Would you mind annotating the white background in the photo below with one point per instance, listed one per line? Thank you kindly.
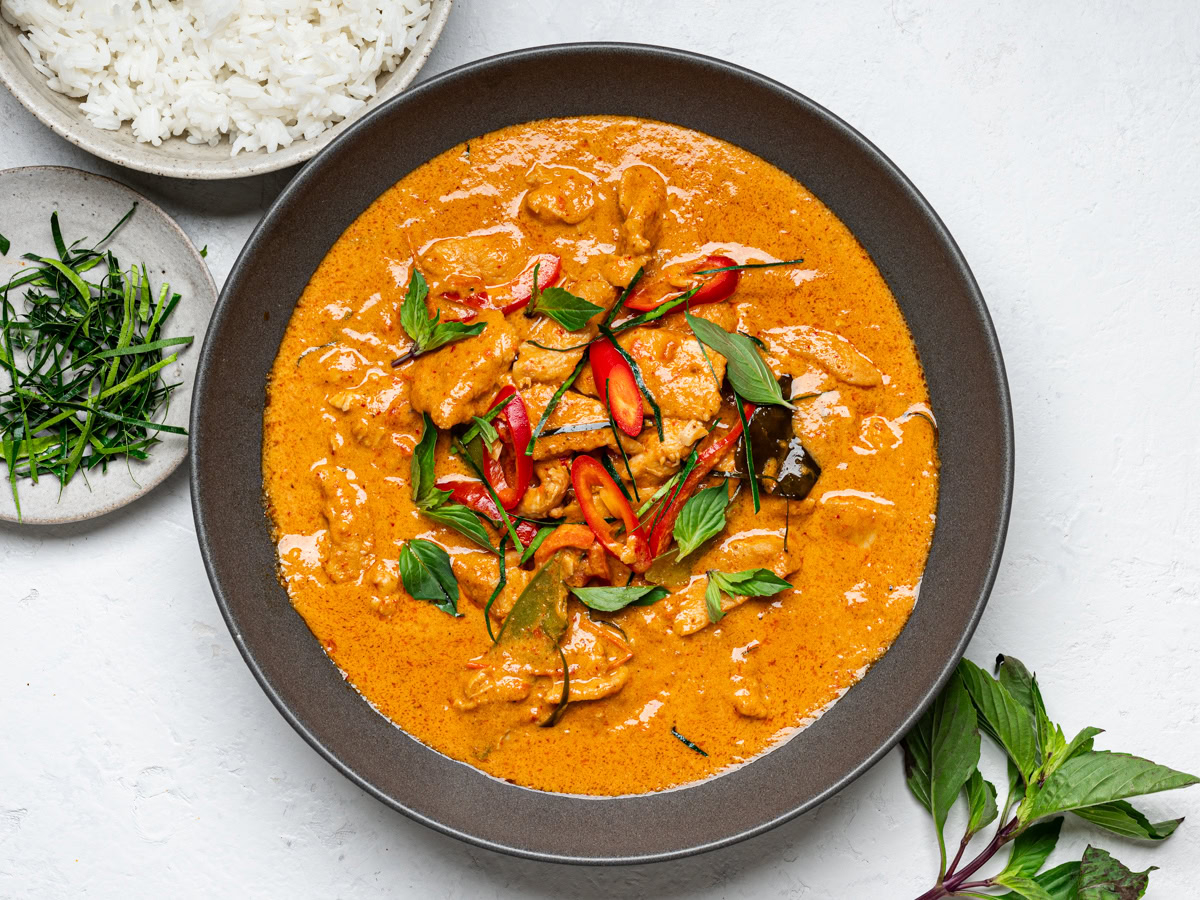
(138, 757)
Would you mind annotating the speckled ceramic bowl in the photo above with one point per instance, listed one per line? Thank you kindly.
(176, 158)
(924, 269)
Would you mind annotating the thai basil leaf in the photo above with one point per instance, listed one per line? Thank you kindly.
(744, 368)
(485, 430)
(712, 601)
(750, 582)
(981, 803)
(425, 570)
(702, 517)
(1003, 717)
(1032, 848)
(544, 532)
(1081, 743)
(425, 494)
(1058, 883)
(1121, 818)
(1101, 776)
(1103, 878)
(427, 332)
(462, 520)
(1023, 886)
(4, 245)
(611, 599)
(571, 312)
(942, 752)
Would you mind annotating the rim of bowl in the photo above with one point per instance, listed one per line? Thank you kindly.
(144, 157)
(994, 552)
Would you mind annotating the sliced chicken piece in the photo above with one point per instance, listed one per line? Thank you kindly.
(642, 198)
(826, 425)
(749, 698)
(560, 193)
(494, 256)
(537, 364)
(597, 656)
(674, 368)
(477, 572)
(661, 459)
(494, 685)
(546, 496)
(376, 412)
(791, 348)
(853, 516)
(350, 533)
(456, 381)
(516, 581)
(572, 409)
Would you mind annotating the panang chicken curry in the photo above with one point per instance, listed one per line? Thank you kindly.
(599, 456)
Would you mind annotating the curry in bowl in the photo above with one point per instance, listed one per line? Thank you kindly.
(599, 456)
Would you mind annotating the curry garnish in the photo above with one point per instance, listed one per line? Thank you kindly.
(686, 742)
(702, 517)
(501, 582)
(611, 599)
(743, 266)
(1048, 776)
(557, 396)
(431, 500)
(747, 373)
(748, 447)
(571, 312)
(749, 583)
(425, 331)
(637, 377)
(84, 363)
(465, 454)
(426, 573)
(561, 708)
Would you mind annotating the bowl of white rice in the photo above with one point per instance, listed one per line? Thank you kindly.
(210, 89)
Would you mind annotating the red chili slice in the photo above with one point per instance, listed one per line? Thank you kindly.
(614, 379)
(549, 268)
(511, 469)
(473, 495)
(716, 288)
(589, 479)
(663, 528)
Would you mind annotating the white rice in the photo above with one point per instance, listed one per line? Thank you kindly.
(264, 72)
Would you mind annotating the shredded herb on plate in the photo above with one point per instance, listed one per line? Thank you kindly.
(84, 363)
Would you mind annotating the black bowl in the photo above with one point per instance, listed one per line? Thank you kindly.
(908, 243)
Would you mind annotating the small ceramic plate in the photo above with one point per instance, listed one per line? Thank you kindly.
(88, 206)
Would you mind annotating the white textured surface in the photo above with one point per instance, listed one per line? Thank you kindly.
(1057, 140)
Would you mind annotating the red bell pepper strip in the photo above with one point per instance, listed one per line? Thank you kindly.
(473, 495)
(579, 537)
(716, 287)
(589, 478)
(664, 526)
(511, 470)
(614, 379)
(549, 268)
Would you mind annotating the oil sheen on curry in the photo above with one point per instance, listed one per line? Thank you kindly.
(599, 456)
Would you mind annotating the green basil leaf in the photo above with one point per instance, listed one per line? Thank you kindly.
(1121, 818)
(1101, 776)
(414, 314)
(425, 494)
(485, 430)
(571, 312)
(610, 599)
(4, 245)
(744, 367)
(1022, 885)
(425, 570)
(544, 532)
(942, 753)
(1058, 883)
(1103, 878)
(1003, 717)
(462, 520)
(750, 582)
(981, 803)
(701, 517)
(443, 333)
(1032, 848)
(712, 601)
(1017, 679)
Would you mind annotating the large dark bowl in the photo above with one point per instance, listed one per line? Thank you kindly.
(922, 266)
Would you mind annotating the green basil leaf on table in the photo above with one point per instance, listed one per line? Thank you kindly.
(1024, 886)
(4, 245)
(425, 570)
(1032, 848)
(1003, 717)
(1059, 883)
(1103, 878)
(744, 367)
(1121, 818)
(1101, 776)
(611, 599)
(702, 517)
(981, 802)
